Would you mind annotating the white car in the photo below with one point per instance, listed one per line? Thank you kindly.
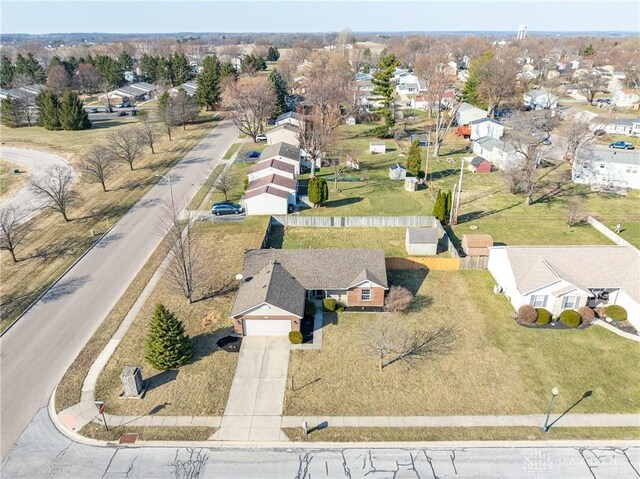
(261, 137)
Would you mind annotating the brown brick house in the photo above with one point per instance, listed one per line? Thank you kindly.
(276, 284)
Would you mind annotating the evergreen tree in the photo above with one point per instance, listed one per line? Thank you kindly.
(21, 67)
(71, 112)
(110, 71)
(273, 54)
(10, 112)
(383, 88)
(227, 70)
(208, 81)
(167, 346)
(47, 103)
(180, 69)
(440, 206)
(318, 191)
(448, 204)
(470, 88)
(414, 158)
(35, 70)
(280, 89)
(6, 72)
(125, 62)
(149, 66)
(253, 63)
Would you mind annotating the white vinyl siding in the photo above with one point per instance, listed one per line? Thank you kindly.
(538, 301)
(570, 302)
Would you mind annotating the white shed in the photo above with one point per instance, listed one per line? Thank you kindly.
(397, 172)
(351, 121)
(411, 183)
(421, 241)
(377, 147)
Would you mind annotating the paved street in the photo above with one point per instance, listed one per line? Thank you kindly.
(37, 350)
(43, 452)
(38, 162)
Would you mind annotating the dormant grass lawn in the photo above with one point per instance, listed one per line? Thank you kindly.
(54, 244)
(11, 182)
(202, 386)
(375, 434)
(491, 367)
(160, 433)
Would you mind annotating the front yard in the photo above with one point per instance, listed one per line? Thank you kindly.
(492, 366)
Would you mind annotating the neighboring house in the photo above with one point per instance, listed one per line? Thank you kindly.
(266, 200)
(129, 76)
(476, 244)
(189, 87)
(610, 167)
(237, 61)
(617, 126)
(422, 139)
(421, 241)
(284, 133)
(280, 182)
(29, 91)
(568, 277)
(467, 113)
(290, 118)
(407, 88)
(486, 127)
(277, 282)
(626, 98)
(141, 91)
(540, 100)
(480, 165)
(283, 152)
(419, 102)
(495, 151)
(377, 147)
(271, 167)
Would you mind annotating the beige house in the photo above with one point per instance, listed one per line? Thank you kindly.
(284, 133)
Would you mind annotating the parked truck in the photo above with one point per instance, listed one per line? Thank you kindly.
(464, 131)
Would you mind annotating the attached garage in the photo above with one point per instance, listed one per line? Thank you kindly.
(266, 327)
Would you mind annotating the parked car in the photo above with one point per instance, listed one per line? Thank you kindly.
(621, 145)
(226, 208)
(546, 141)
(271, 121)
(261, 137)
(122, 113)
(108, 109)
(93, 109)
(251, 155)
(134, 112)
(605, 101)
(124, 104)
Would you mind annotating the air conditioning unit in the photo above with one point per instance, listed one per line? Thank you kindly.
(497, 289)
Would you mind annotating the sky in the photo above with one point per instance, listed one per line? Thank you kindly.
(153, 16)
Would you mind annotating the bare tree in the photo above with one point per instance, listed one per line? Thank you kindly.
(380, 339)
(398, 299)
(56, 186)
(13, 231)
(225, 184)
(58, 79)
(578, 135)
(185, 108)
(337, 168)
(316, 137)
(148, 130)
(498, 80)
(125, 145)
(98, 165)
(87, 79)
(167, 116)
(575, 214)
(251, 104)
(526, 137)
(590, 83)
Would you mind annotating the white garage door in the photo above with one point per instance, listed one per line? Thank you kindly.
(266, 327)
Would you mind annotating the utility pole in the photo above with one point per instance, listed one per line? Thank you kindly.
(455, 217)
(426, 175)
(453, 198)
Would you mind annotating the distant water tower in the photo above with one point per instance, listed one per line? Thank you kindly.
(522, 32)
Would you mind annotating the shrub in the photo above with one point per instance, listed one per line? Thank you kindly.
(617, 313)
(339, 308)
(380, 132)
(570, 317)
(168, 346)
(310, 308)
(329, 304)
(527, 314)
(295, 337)
(318, 191)
(543, 316)
(398, 299)
(587, 314)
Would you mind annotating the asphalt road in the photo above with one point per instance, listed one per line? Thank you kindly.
(43, 452)
(38, 163)
(37, 350)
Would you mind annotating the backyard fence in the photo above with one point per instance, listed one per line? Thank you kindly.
(426, 262)
(356, 221)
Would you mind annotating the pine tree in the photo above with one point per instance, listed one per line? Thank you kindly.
(10, 112)
(168, 346)
(383, 89)
(6, 72)
(440, 206)
(414, 159)
(149, 66)
(71, 112)
(47, 103)
(280, 89)
(35, 70)
(318, 191)
(448, 204)
(273, 54)
(180, 69)
(125, 62)
(208, 81)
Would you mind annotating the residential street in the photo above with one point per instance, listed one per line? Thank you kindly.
(38, 163)
(43, 452)
(37, 350)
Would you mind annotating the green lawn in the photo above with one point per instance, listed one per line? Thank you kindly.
(490, 365)
(232, 149)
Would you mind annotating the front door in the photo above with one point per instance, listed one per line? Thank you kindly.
(319, 294)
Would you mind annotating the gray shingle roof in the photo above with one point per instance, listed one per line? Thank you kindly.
(282, 149)
(583, 266)
(277, 180)
(275, 164)
(482, 120)
(422, 235)
(266, 190)
(612, 156)
(290, 114)
(467, 107)
(489, 143)
(273, 285)
(284, 126)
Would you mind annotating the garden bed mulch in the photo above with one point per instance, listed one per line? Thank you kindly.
(230, 344)
(624, 326)
(363, 309)
(306, 328)
(551, 325)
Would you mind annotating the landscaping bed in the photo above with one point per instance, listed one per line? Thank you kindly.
(491, 367)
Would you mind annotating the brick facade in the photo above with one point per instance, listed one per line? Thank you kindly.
(377, 297)
(237, 322)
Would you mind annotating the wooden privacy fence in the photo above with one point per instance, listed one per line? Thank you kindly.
(415, 262)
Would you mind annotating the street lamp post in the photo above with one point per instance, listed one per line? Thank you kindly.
(168, 178)
(554, 393)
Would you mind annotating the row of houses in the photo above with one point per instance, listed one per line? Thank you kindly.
(141, 91)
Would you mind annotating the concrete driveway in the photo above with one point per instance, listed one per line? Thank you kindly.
(254, 408)
(38, 163)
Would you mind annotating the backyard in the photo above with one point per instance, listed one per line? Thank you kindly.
(485, 364)
(54, 244)
(201, 387)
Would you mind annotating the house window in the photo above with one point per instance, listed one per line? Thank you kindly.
(601, 165)
(570, 302)
(365, 295)
(539, 301)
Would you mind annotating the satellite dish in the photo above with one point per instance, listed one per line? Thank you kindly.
(239, 277)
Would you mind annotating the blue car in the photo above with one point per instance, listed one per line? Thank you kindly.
(621, 145)
(226, 208)
(251, 155)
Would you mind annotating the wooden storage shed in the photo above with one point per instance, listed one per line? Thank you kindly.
(476, 244)
(480, 165)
